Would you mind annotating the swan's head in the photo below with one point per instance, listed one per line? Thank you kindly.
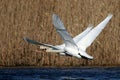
(78, 53)
(84, 55)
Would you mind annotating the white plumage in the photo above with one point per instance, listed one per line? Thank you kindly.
(73, 46)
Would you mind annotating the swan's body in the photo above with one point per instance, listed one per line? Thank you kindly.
(73, 46)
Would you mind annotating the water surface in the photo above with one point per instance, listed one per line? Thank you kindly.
(97, 73)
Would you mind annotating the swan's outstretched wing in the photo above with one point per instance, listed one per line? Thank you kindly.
(38, 43)
(81, 35)
(87, 40)
(62, 32)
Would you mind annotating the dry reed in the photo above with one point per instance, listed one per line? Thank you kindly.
(32, 18)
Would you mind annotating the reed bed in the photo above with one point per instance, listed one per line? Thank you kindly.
(32, 18)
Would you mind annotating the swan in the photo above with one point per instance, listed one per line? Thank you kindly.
(75, 47)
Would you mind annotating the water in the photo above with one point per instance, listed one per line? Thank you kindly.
(98, 73)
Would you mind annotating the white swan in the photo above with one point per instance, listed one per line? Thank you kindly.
(73, 46)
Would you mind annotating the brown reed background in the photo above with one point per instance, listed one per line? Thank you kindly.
(32, 18)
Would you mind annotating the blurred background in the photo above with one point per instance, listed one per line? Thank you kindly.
(33, 19)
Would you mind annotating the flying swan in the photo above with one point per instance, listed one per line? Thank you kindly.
(76, 46)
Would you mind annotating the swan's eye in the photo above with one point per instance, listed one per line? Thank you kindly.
(78, 53)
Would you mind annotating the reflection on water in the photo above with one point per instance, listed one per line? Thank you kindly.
(98, 73)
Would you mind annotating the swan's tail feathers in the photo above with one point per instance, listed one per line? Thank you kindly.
(44, 47)
(55, 51)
